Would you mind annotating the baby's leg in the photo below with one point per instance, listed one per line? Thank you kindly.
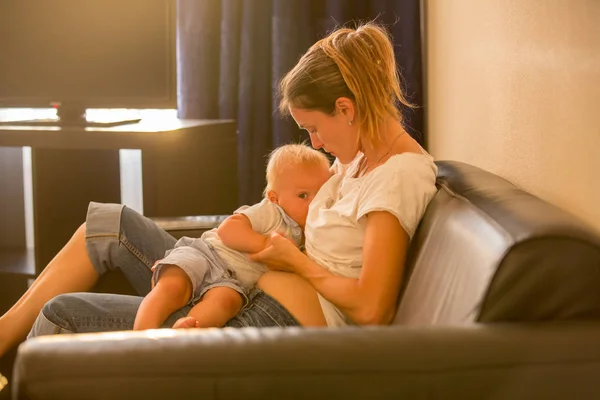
(217, 306)
(172, 291)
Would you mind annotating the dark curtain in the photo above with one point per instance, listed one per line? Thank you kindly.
(231, 54)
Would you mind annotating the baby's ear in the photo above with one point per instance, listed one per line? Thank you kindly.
(272, 196)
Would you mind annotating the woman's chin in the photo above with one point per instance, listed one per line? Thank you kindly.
(343, 160)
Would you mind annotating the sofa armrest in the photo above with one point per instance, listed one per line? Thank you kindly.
(500, 362)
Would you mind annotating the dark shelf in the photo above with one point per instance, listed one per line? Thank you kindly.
(17, 269)
(17, 261)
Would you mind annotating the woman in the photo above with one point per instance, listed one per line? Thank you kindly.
(344, 91)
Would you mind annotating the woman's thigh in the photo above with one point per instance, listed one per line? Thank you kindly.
(91, 312)
(100, 312)
(262, 310)
(118, 237)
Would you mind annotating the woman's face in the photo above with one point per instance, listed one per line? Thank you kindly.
(334, 134)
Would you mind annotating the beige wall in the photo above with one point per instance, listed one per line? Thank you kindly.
(513, 86)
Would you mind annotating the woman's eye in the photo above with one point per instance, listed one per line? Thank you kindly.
(303, 195)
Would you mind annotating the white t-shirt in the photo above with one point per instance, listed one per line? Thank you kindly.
(334, 234)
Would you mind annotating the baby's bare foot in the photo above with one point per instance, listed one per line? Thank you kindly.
(186, 323)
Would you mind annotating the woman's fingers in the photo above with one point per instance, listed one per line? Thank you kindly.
(267, 257)
(260, 256)
(277, 255)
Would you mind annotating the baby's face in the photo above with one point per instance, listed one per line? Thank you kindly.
(297, 188)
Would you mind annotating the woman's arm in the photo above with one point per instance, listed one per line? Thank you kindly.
(236, 233)
(370, 299)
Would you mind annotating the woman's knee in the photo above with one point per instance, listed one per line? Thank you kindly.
(57, 309)
(53, 318)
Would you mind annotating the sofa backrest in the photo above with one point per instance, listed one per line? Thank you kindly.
(487, 251)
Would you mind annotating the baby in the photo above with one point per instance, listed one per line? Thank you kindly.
(213, 272)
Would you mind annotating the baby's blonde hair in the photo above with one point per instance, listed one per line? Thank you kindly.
(295, 156)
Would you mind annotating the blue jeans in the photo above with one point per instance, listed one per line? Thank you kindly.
(120, 238)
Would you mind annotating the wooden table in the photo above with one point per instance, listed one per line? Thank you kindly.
(189, 167)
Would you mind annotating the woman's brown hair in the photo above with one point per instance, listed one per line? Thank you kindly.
(355, 63)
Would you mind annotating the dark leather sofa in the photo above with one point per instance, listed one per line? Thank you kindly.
(501, 301)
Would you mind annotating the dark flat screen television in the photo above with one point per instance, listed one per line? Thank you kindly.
(78, 54)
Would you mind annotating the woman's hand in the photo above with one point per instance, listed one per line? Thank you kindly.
(279, 254)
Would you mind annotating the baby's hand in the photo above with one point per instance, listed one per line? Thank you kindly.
(186, 323)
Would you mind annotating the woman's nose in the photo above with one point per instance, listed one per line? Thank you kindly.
(314, 141)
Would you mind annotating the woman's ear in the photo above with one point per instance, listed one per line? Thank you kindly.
(345, 107)
(272, 196)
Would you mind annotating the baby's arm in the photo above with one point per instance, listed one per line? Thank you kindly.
(236, 233)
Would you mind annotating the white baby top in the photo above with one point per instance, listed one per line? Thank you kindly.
(335, 226)
(265, 217)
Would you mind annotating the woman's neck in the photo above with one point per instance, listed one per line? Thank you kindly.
(391, 138)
